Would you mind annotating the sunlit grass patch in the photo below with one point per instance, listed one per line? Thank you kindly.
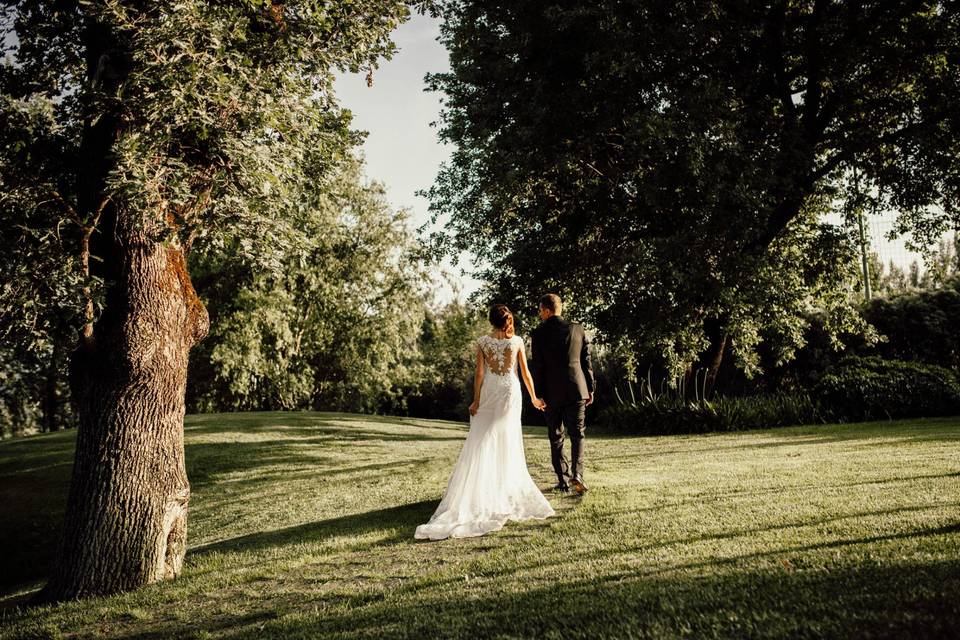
(301, 525)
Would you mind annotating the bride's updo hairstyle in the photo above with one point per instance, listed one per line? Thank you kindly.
(501, 318)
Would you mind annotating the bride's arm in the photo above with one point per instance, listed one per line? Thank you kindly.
(527, 380)
(477, 383)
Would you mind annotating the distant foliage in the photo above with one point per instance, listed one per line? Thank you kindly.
(34, 392)
(334, 328)
(853, 390)
(446, 357)
(875, 389)
(919, 325)
(911, 324)
(941, 265)
(41, 280)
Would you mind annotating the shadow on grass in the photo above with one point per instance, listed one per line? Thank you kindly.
(31, 454)
(370, 473)
(35, 470)
(397, 522)
(908, 600)
(753, 492)
(912, 599)
(424, 423)
(208, 461)
(734, 561)
(947, 429)
(281, 422)
(34, 480)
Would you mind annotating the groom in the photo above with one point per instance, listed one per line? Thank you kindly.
(563, 376)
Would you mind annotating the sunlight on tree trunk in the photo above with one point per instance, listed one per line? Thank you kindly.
(127, 511)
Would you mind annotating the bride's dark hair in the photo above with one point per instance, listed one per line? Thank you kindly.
(501, 318)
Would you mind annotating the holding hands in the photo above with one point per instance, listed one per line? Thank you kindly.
(537, 403)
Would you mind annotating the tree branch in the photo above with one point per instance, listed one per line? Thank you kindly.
(87, 331)
(862, 29)
(789, 207)
(814, 63)
(776, 24)
(893, 137)
(69, 208)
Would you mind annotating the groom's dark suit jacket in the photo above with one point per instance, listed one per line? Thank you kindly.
(561, 367)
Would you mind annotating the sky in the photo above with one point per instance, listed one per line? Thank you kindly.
(402, 149)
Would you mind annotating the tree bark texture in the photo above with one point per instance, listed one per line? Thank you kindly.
(126, 520)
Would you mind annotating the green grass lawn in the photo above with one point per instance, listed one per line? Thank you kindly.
(301, 525)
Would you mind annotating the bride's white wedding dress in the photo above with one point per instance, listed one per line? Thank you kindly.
(490, 483)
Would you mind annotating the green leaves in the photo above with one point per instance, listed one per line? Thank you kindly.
(875, 389)
(666, 168)
(41, 300)
(334, 325)
(208, 125)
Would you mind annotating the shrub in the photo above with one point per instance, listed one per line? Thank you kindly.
(919, 325)
(665, 415)
(873, 388)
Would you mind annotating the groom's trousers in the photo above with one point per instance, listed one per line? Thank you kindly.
(569, 417)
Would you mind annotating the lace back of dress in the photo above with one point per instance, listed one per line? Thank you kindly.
(500, 355)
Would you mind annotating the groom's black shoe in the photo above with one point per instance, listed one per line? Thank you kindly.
(561, 487)
(578, 486)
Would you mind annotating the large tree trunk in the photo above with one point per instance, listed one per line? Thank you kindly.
(126, 520)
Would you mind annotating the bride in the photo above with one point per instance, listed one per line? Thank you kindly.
(490, 483)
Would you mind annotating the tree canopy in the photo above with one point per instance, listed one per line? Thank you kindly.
(667, 166)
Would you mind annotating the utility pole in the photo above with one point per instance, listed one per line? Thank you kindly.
(867, 292)
(863, 256)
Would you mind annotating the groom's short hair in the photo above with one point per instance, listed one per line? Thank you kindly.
(552, 303)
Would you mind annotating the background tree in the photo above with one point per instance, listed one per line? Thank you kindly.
(941, 263)
(41, 301)
(667, 166)
(335, 329)
(172, 125)
(442, 386)
(919, 325)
